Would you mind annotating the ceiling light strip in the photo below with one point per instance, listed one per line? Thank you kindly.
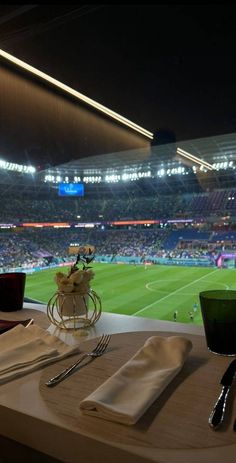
(76, 94)
(197, 159)
(190, 157)
(194, 159)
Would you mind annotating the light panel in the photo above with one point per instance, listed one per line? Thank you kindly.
(195, 159)
(76, 94)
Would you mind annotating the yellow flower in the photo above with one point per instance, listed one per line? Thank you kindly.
(65, 286)
(77, 281)
(59, 276)
(88, 275)
(82, 288)
(76, 277)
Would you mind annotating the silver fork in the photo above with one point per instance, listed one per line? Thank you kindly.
(96, 352)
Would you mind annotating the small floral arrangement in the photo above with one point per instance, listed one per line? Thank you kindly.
(78, 279)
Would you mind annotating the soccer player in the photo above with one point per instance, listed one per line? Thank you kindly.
(195, 307)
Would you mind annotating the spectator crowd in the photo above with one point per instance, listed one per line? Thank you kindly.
(28, 246)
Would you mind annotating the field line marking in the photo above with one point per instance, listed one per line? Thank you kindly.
(174, 292)
(148, 286)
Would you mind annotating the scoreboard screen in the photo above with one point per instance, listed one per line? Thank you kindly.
(71, 189)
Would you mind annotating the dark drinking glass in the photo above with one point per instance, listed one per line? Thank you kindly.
(12, 288)
(219, 318)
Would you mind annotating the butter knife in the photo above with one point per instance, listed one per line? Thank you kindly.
(217, 415)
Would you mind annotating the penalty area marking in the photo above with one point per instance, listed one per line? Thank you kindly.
(148, 286)
(172, 280)
(174, 292)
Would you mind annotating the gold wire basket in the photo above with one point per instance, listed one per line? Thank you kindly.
(72, 311)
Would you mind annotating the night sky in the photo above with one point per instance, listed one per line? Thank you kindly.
(162, 66)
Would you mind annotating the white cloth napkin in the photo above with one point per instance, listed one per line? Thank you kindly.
(126, 395)
(23, 350)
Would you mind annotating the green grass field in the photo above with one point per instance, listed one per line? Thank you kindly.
(152, 293)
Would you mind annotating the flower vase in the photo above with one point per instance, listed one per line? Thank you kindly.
(72, 304)
(73, 310)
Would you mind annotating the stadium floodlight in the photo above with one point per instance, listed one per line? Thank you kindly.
(92, 179)
(17, 167)
(78, 95)
(194, 159)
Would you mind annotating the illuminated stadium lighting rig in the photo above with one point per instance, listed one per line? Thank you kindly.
(195, 159)
(92, 179)
(124, 176)
(223, 165)
(16, 167)
(76, 94)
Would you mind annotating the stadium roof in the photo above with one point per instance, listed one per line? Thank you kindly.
(215, 149)
(124, 57)
(156, 170)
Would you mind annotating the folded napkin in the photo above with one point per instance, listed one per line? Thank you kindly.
(23, 350)
(126, 395)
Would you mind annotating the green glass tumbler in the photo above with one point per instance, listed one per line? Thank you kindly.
(218, 309)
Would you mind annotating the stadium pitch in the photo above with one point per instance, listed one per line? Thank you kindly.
(155, 292)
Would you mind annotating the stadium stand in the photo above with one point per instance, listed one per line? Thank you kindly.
(152, 207)
(168, 209)
(48, 246)
(176, 236)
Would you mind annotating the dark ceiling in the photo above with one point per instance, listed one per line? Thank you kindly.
(162, 66)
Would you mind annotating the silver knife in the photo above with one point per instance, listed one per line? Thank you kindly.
(217, 415)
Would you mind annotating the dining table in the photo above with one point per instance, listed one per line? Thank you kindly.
(43, 424)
